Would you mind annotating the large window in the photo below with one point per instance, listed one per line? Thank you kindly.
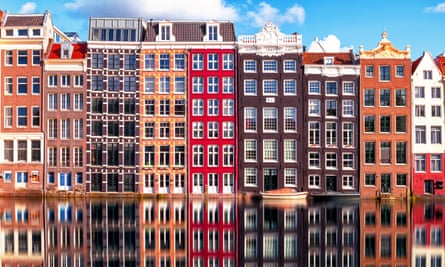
(213, 155)
(436, 163)
(198, 155)
(369, 97)
(250, 119)
(270, 66)
(270, 87)
(401, 124)
(290, 119)
(314, 133)
(22, 117)
(401, 153)
(249, 65)
(369, 152)
(385, 73)
(436, 135)
(212, 62)
(420, 165)
(270, 150)
(331, 88)
(212, 107)
(369, 124)
(198, 61)
(198, 107)
(250, 177)
(212, 85)
(270, 119)
(164, 62)
(331, 108)
(290, 87)
(228, 86)
(348, 134)
(420, 135)
(250, 150)
(348, 88)
(22, 85)
(348, 108)
(250, 87)
(348, 161)
(198, 85)
(227, 61)
(331, 160)
(179, 62)
(401, 97)
(331, 134)
(314, 107)
(228, 107)
(290, 150)
(385, 124)
(385, 152)
(314, 160)
(385, 97)
(419, 92)
(314, 87)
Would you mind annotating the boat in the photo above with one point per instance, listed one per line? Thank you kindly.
(284, 194)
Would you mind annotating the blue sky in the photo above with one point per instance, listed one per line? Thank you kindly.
(418, 23)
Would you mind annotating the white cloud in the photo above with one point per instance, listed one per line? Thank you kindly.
(439, 8)
(267, 12)
(329, 43)
(28, 7)
(167, 9)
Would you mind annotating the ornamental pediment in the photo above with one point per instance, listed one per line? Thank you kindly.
(385, 49)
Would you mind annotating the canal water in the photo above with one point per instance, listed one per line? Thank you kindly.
(220, 232)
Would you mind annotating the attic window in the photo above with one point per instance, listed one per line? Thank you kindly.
(212, 32)
(23, 32)
(65, 53)
(36, 32)
(165, 32)
(329, 60)
(9, 32)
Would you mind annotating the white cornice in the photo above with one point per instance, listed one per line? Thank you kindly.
(332, 70)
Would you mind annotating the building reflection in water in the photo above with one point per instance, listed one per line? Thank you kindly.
(219, 232)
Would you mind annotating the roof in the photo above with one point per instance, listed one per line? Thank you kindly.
(191, 31)
(340, 58)
(440, 61)
(24, 20)
(415, 64)
(79, 51)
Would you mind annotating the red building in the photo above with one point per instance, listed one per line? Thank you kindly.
(212, 113)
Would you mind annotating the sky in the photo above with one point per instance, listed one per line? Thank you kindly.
(340, 24)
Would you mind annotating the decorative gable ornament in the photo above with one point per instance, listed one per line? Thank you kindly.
(385, 49)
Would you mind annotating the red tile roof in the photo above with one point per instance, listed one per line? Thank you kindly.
(79, 51)
(191, 31)
(440, 61)
(340, 58)
(415, 64)
(24, 20)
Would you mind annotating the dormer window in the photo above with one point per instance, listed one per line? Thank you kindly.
(66, 50)
(329, 60)
(9, 32)
(36, 32)
(165, 32)
(65, 53)
(23, 32)
(213, 32)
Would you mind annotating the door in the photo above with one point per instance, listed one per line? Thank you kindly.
(65, 181)
(270, 176)
(228, 183)
(331, 183)
(198, 183)
(213, 183)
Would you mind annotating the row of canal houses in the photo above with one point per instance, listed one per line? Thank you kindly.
(185, 107)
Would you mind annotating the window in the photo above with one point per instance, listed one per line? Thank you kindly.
(249, 65)
(78, 102)
(348, 183)
(149, 130)
(179, 107)
(228, 107)
(385, 124)
(97, 83)
(52, 128)
(179, 129)
(22, 57)
(164, 130)
(198, 85)
(9, 150)
(130, 84)
(270, 150)
(401, 180)
(348, 161)
(270, 119)
(113, 83)
(228, 85)
(331, 108)
(8, 117)
(314, 133)
(270, 66)
(198, 155)
(314, 160)
(250, 150)
(331, 160)
(164, 156)
(97, 61)
(419, 92)
(436, 135)
(436, 92)
(198, 107)
(270, 87)
(212, 85)
(369, 97)
(314, 181)
(198, 130)
(64, 157)
(149, 155)
(420, 135)
(290, 119)
(22, 85)
(436, 111)
(212, 129)
(8, 85)
(65, 129)
(369, 152)
(331, 88)
(212, 151)
(436, 163)
(401, 97)
(197, 61)
(369, 179)
(314, 107)
(419, 110)
(113, 61)
(65, 80)
(164, 85)
(290, 65)
(348, 88)
(400, 71)
(78, 80)
(250, 119)
(385, 97)
(401, 124)
(331, 134)
(35, 116)
(228, 129)
(179, 62)
(149, 61)
(369, 123)
(35, 85)
(212, 107)
(212, 62)
(22, 116)
(8, 57)
(250, 177)
(420, 163)
(290, 150)
(65, 102)
(179, 155)
(165, 32)
(290, 177)
(35, 151)
(314, 87)
(401, 153)
(290, 87)
(348, 134)
(130, 106)
(385, 152)
(427, 75)
(130, 62)
(149, 107)
(164, 107)
(228, 155)
(385, 73)
(348, 108)
(227, 61)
